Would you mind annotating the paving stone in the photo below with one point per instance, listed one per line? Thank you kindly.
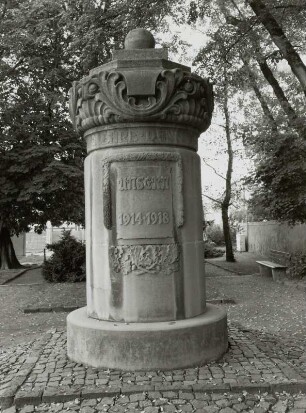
(216, 396)
(116, 409)
(136, 388)
(107, 401)
(144, 403)
(89, 402)
(27, 409)
(137, 397)
(11, 409)
(227, 410)
(185, 407)
(169, 408)
(123, 399)
(170, 394)
(154, 394)
(32, 397)
(280, 407)
(53, 395)
(90, 392)
(177, 402)
(186, 395)
(151, 409)
(223, 403)
(87, 409)
(239, 407)
(160, 401)
(300, 403)
(211, 388)
(198, 404)
(211, 409)
(202, 396)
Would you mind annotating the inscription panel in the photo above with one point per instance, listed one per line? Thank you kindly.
(144, 207)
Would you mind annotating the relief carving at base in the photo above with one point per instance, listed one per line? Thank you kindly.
(144, 259)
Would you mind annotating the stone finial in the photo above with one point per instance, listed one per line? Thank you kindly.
(139, 39)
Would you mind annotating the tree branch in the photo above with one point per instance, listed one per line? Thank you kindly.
(212, 199)
(215, 171)
(280, 39)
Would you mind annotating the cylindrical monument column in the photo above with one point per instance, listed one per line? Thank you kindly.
(141, 116)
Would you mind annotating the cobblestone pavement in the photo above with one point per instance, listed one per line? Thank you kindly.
(179, 401)
(256, 362)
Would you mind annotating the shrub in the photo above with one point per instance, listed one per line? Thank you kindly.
(215, 234)
(67, 264)
(211, 251)
(297, 265)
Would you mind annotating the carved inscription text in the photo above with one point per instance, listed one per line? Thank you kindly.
(143, 182)
(148, 218)
(144, 200)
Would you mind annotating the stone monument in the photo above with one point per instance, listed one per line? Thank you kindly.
(141, 116)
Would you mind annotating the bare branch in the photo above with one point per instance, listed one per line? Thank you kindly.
(215, 171)
(212, 199)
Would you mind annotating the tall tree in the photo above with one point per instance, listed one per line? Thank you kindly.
(44, 46)
(279, 37)
(275, 135)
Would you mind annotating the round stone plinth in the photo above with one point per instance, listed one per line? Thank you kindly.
(147, 346)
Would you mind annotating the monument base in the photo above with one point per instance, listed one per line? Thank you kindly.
(147, 346)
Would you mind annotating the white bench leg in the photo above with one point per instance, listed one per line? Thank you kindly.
(265, 271)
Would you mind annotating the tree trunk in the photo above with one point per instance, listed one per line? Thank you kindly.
(280, 39)
(229, 254)
(8, 259)
(228, 186)
(293, 120)
(261, 99)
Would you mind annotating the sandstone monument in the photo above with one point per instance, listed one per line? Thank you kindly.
(141, 116)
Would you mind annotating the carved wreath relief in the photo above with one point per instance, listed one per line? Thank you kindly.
(145, 259)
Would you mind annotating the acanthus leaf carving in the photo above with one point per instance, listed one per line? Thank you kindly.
(180, 97)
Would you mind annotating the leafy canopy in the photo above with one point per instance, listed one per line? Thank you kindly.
(44, 46)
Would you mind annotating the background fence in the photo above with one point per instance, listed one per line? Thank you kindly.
(33, 243)
(263, 236)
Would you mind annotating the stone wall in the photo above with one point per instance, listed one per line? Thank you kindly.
(263, 236)
(19, 245)
(33, 243)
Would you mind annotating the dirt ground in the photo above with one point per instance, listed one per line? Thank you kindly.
(260, 304)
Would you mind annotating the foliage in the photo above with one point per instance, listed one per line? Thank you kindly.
(260, 52)
(44, 46)
(210, 251)
(67, 264)
(280, 180)
(297, 265)
(215, 234)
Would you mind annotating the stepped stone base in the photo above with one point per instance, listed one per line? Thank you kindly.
(147, 346)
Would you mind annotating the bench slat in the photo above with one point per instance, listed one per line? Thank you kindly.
(270, 264)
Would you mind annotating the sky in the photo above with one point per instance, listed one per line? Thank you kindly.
(212, 143)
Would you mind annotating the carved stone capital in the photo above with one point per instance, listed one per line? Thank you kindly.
(106, 97)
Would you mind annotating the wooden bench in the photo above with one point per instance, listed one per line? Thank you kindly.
(277, 269)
